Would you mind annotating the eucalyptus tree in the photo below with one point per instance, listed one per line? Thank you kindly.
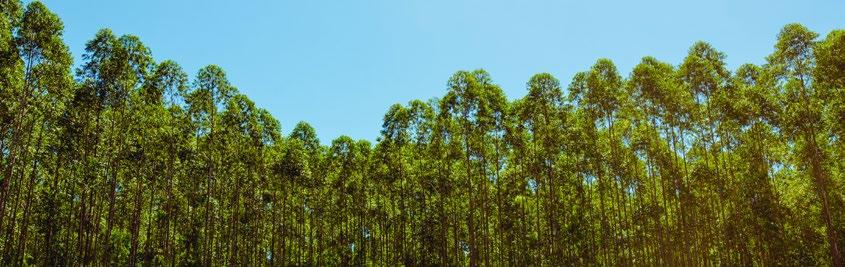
(209, 94)
(542, 114)
(407, 136)
(675, 165)
(497, 109)
(247, 132)
(672, 110)
(802, 122)
(265, 135)
(163, 98)
(40, 62)
(395, 138)
(599, 94)
(830, 74)
(758, 219)
(12, 69)
(114, 69)
(518, 193)
(650, 86)
(237, 124)
(345, 177)
(703, 74)
(475, 105)
(294, 171)
(428, 230)
(44, 82)
(312, 189)
(445, 157)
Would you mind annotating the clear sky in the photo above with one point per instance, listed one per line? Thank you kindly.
(340, 64)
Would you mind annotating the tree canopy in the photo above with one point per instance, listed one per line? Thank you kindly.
(129, 161)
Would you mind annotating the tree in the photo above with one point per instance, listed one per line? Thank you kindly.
(688, 164)
(793, 62)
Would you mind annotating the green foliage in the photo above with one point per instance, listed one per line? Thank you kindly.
(688, 164)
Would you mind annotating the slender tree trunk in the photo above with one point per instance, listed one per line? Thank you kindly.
(17, 135)
(22, 239)
(136, 217)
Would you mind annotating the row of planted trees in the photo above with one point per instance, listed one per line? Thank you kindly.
(127, 162)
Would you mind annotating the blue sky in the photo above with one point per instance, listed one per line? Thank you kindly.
(340, 64)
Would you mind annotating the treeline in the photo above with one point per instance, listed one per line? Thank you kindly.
(127, 161)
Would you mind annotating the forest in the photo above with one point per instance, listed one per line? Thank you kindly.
(120, 159)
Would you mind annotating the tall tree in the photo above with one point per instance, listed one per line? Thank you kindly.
(688, 164)
(793, 62)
